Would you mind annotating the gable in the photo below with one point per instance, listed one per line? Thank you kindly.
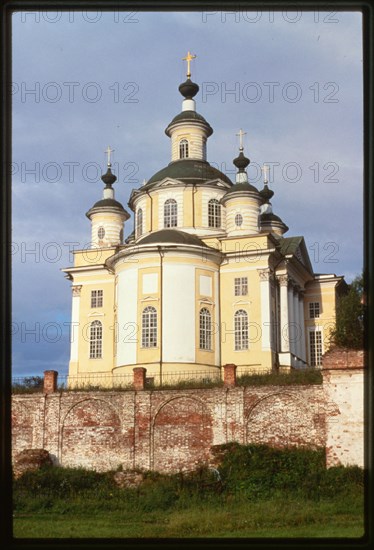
(295, 246)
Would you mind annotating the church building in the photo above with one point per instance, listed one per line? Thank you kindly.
(207, 278)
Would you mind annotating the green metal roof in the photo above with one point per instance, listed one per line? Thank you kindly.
(108, 202)
(270, 217)
(245, 186)
(188, 171)
(189, 116)
(172, 236)
(289, 245)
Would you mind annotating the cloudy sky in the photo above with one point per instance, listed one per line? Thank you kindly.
(81, 81)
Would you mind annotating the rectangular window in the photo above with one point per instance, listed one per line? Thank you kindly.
(96, 298)
(315, 348)
(313, 310)
(241, 286)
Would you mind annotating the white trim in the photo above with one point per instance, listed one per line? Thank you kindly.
(242, 302)
(94, 282)
(74, 344)
(239, 269)
(206, 301)
(265, 314)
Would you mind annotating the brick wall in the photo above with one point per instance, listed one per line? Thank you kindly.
(169, 430)
(343, 382)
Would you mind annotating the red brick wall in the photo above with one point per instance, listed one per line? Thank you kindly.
(169, 430)
(164, 430)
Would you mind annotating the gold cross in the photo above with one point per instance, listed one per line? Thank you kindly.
(108, 151)
(241, 134)
(265, 170)
(189, 58)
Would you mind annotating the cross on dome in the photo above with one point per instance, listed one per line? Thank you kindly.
(189, 58)
(108, 151)
(265, 170)
(241, 134)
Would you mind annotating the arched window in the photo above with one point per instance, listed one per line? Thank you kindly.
(214, 213)
(96, 340)
(149, 327)
(101, 232)
(205, 329)
(139, 222)
(241, 330)
(183, 149)
(170, 213)
(121, 236)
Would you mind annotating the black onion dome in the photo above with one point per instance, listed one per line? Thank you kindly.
(241, 161)
(189, 116)
(172, 236)
(240, 187)
(109, 178)
(188, 89)
(266, 194)
(109, 203)
(268, 218)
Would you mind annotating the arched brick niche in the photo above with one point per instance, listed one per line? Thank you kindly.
(283, 420)
(91, 436)
(182, 434)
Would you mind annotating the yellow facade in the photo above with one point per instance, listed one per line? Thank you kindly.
(208, 279)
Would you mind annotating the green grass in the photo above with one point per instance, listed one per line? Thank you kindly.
(262, 493)
(270, 518)
(295, 376)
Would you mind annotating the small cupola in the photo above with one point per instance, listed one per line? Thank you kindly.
(188, 130)
(107, 215)
(268, 220)
(243, 200)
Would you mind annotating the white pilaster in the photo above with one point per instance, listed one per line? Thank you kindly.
(74, 330)
(285, 343)
(264, 275)
(302, 326)
(290, 329)
(297, 335)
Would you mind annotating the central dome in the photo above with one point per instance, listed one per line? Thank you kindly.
(189, 171)
(171, 236)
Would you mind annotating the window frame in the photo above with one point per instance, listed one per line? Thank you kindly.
(170, 213)
(241, 286)
(214, 213)
(149, 327)
(315, 348)
(184, 149)
(241, 326)
(97, 298)
(96, 340)
(314, 310)
(240, 216)
(205, 329)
